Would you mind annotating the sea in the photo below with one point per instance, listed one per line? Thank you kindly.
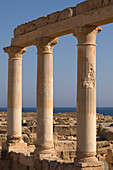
(102, 110)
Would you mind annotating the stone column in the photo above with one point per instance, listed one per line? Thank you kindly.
(45, 96)
(14, 102)
(86, 94)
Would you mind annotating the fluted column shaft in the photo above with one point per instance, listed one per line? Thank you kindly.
(45, 95)
(14, 103)
(86, 91)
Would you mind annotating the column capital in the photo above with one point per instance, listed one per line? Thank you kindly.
(14, 51)
(45, 44)
(86, 35)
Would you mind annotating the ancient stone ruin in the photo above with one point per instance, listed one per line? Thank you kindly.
(83, 22)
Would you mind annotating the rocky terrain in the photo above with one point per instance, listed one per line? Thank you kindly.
(65, 133)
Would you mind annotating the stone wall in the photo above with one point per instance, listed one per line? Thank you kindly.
(27, 161)
(19, 161)
(109, 159)
(61, 15)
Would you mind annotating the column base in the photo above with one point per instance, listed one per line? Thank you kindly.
(88, 164)
(44, 153)
(15, 147)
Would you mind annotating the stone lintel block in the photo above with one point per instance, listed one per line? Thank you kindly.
(82, 8)
(40, 22)
(97, 4)
(19, 30)
(15, 147)
(66, 13)
(53, 17)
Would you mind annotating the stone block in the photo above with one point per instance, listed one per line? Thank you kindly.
(53, 17)
(109, 156)
(68, 166)
(72, 154)
(19, 30)
(106, 133)
(66, 155)
(105, 3)
(82, 8)
(65, 130)
(15, 147)
(25, 138)
(15, 156)
(66, 13)
(45, 164)
(90, 4)
(31, 148)
(33, 129)
(30, 26)
(33, 138)
(111, 2)
(37, 164)
(31, 168)
(26, 160)
(65, 145)
(53, 165)
(40, 22)
(97, 4)
(25, 130)
(97, 165)
(74, 10)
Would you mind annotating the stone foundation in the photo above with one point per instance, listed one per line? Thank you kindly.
(19, 161)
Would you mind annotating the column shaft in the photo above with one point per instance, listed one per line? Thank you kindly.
(14, 103)
(86, 100)
(14, 106)
(45, 95)
(45, 101)
(86, 91)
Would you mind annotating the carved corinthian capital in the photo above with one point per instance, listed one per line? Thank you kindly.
(14, 52)
(45, 44)
(86, 34)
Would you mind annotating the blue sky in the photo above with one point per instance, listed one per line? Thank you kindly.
(14, 13)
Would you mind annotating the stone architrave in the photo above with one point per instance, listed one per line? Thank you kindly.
(14, 103)
(45, 96)
(86, 96)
